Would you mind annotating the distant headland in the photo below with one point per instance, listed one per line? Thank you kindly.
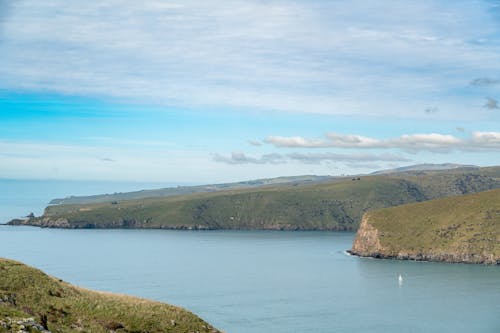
(286, 203)
(461, 229)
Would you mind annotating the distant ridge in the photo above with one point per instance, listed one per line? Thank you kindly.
(185, 190)
(308, 203)
(209, 188)
(426, 167)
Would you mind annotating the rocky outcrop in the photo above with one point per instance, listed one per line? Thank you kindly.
(21, 325)
(367, 242)
(44, 222)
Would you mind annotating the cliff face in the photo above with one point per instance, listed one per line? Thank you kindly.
(368, 244)
(464, 229)
(367, 241)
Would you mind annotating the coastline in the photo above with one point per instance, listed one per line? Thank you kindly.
(424, 258)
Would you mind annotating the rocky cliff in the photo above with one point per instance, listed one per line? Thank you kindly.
(463, 229)
(367, 241)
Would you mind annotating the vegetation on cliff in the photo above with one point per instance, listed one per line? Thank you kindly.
(457, 229)
(329, 205)
(31, 301)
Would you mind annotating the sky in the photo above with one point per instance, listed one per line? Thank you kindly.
(194, 92)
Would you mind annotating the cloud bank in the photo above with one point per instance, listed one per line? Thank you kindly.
(432, 142)
(296, 56)
(307, 158)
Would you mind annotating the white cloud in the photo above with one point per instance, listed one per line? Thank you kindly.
(381, 58)
(486, 140)
(346, 141)
(413, 143)
(420, 142)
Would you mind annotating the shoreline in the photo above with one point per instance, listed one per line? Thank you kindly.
(179, 227)
(421, 258)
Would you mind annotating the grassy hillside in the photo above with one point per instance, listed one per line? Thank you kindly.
(186, 190)
(250, 184)
(51, 304)
(457, 229)
(334, 205)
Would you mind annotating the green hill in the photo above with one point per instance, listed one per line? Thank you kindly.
(457, 229)
(31, 301)
(329, 205)
(186, 190)
(250, 184)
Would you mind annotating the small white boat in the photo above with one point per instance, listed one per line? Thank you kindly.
(400, 279)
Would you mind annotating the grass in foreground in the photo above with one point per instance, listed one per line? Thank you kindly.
(26, 292)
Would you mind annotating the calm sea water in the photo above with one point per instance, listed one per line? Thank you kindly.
(18, 198)
(244, 282)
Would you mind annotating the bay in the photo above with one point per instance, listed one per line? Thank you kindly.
(267, 281)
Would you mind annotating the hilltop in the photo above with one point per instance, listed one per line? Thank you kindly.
(457, 229)
(31, 301)
(335, 204)
(249, 184)
(185, 190)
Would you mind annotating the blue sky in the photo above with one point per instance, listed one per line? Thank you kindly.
(215, 91)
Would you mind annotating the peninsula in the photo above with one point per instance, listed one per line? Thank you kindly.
(31, 301)
(304, 203)
(461, 229)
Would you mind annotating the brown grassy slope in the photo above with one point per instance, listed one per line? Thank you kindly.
(27, 292)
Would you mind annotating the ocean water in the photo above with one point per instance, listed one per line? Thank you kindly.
(267, 281)
(252, 281)
(18, 198)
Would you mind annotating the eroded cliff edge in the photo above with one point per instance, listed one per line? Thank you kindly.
(464, 229)
(367, 241)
